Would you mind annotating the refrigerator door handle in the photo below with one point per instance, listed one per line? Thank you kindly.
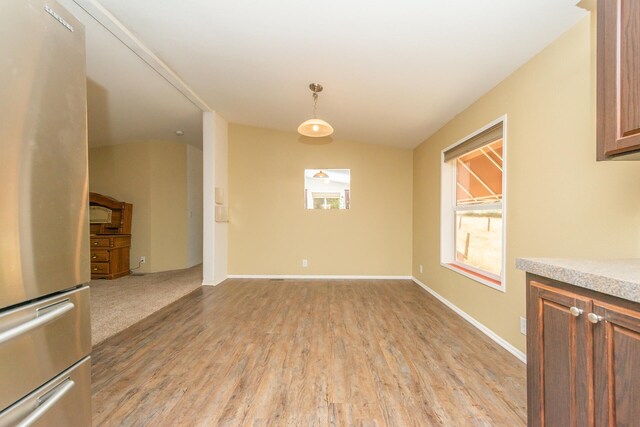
(40, 320)
(46, 402)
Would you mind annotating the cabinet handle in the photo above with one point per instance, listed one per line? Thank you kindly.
(575, 311)
(594, 318)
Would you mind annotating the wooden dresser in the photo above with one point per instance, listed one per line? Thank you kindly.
(110, 237)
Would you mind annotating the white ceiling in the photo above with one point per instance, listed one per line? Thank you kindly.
(127, 100)
(394, 72)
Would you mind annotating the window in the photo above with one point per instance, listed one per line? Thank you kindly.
(327, 189)
(473, 184)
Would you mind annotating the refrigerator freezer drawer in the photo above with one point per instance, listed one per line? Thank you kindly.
(40, 340)
(63, 401)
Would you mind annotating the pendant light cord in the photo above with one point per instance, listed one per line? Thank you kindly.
(315, 105)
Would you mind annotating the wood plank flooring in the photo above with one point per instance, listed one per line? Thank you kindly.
(306, 353)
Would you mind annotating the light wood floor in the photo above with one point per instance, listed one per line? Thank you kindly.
(306, 353)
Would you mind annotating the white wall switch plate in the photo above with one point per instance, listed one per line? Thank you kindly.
(305, 263)
(523, 326)
(421, 269)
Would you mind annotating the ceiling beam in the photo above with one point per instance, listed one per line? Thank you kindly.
(122, 33)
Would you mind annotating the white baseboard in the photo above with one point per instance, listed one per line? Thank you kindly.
(311, 276)
(210, 283)
(488, 332)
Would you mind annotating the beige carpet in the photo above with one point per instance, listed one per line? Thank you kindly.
(118, 304)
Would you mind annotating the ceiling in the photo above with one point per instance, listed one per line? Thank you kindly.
(393, 72)
(126, 99)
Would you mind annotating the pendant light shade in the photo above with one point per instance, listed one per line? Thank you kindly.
(321, 175)
(315, 128)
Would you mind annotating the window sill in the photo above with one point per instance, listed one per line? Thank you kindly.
(478, 277)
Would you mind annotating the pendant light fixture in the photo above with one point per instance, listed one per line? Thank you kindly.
(315, 128)
(321, 175)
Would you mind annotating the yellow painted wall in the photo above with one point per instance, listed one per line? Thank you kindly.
(195, 204)
(560, 201)
(169, 212)
(270, 232)
(153, 177)
(123, 172)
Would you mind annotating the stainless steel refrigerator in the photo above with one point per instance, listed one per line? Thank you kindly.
(45, 335)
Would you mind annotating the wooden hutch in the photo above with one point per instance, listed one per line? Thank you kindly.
(110, 225)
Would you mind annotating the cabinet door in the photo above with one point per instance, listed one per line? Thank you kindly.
(560, 363)
(618, 77)
(617, 365)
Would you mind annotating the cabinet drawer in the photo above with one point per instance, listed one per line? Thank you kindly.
(99, 268)
(40, 340)
(99, 255)
(97, 242)
(63, 401)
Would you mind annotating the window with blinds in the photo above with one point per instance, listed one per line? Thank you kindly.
(472, 210)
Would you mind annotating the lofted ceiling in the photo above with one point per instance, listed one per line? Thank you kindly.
(393, 72)
(127, 100)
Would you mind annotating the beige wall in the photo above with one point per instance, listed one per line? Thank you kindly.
(123, 172)
(153, 177)
(169, 212)
(270, 232)
(221, 149)
(560, 202)
(215, 234)
(194, 203)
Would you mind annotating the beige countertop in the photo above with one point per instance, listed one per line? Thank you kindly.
(617, 277)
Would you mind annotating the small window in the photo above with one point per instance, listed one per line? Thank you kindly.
(327, 189)
(473, 183)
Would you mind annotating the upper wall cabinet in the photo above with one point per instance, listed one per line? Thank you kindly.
(618, 79)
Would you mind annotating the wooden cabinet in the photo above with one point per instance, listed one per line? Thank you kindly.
(110, 237)
(558, 357)
(583, 357)
(110, 256)
(617, 357)
(618, 78)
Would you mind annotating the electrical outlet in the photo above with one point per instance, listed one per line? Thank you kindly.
(523, 326)
(305, 263)
(421, 269)
(143, 259)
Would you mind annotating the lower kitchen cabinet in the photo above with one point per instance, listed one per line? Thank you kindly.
(616, 338)
(583, 356)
